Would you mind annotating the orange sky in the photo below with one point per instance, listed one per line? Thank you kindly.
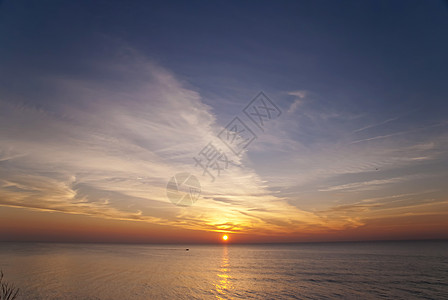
(19, 225)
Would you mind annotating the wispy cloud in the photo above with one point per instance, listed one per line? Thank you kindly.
(387, 121)
(376, 124)
(111, 149)
(300, 96)
(438, 124)
(369, 185)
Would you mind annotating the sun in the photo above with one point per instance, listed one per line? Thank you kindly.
(225, 237)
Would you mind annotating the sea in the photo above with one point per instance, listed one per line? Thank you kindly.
(349, 270)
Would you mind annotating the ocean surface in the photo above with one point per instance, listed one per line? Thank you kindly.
(373, 270)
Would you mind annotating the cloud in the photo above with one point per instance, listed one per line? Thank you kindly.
(300, 94)
(438, 124)
(107, 147)
(376, 124)
(298, 102)
(385, 121)
(369, 185)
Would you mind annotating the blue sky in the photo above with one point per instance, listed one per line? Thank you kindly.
(103, 101)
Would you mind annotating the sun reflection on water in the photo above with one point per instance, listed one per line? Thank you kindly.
(223, 284)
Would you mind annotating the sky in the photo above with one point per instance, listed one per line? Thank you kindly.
(103, 102)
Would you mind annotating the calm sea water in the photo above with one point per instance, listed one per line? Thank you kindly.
(387, 270)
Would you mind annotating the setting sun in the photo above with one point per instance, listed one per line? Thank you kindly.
(225, 237)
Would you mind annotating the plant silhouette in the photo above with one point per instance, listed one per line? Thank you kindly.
(7, 291)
